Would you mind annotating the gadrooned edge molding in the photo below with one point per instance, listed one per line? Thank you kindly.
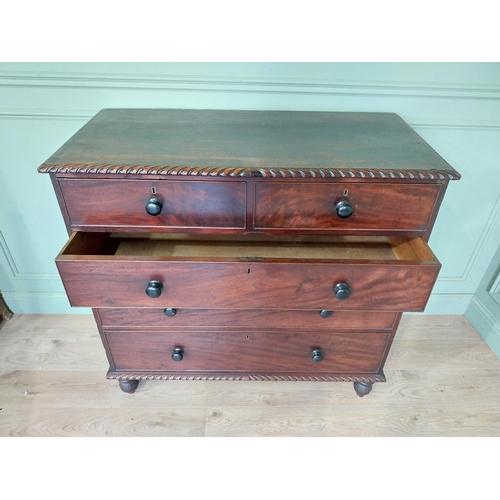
(246, 377)
(250, 172)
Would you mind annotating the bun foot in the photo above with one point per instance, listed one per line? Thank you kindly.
(128, 386)
(362, 388)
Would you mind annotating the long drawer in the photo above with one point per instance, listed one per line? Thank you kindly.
(247, 351)
(273, 319)
(343, 273)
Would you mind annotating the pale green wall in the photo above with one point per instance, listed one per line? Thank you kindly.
(455, 107)
(484, 310)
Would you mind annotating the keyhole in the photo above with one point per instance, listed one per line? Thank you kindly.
(346, 192)
(247, 337)
(248, 271)
(153, 190)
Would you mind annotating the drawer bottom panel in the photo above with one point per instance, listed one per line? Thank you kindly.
(253, 351)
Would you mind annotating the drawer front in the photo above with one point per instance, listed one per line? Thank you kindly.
(187, 276)
(184, 204)
(377, 207)
(271, 319)
(247, 351)
(397, 287)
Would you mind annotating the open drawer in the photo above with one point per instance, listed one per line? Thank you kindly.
(197, 271)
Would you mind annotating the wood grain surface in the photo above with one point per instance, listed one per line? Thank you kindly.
(106, 283)
(209, 281)
(122, 202)
(223, 319)
(442, 380)
(248, 351)
(379, 208)
(259, 140)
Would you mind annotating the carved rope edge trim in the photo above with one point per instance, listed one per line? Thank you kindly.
(250, 172)
(247, 377)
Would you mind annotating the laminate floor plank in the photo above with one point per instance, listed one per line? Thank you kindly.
(95, 422)
(57, 389)
(440, 354)
(51, 326)
(402, 388)
(52, 354)
(165, 394)
(91, 389)
(432, 327)
(466, 388)
(360, 419)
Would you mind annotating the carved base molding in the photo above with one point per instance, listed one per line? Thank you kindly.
(288, 377)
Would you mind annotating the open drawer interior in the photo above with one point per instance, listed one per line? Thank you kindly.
(189, 247)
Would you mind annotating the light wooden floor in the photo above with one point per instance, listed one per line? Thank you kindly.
(443, 380)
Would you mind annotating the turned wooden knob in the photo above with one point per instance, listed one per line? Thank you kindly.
(154, 289)
(154, 206)
(344, 209)
(317, 355)
(178, 354)
(342, 291)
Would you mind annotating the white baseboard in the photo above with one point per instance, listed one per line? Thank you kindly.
(486, 324)
(41, 303)
(447, 303)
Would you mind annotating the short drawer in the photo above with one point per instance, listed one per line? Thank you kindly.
(247, 351)
(383, 208)
(271, 319)
(343, 273)
(123, 203)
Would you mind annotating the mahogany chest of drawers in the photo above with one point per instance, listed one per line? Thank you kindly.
(248, 245)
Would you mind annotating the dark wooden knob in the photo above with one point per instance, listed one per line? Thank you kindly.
(324, 313)
(317, 355)
(170, 311)
(344, 209)
(154, 289)
(154, 206)
(342, 291)
(178, 354)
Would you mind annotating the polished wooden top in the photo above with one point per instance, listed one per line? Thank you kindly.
(249, 144)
